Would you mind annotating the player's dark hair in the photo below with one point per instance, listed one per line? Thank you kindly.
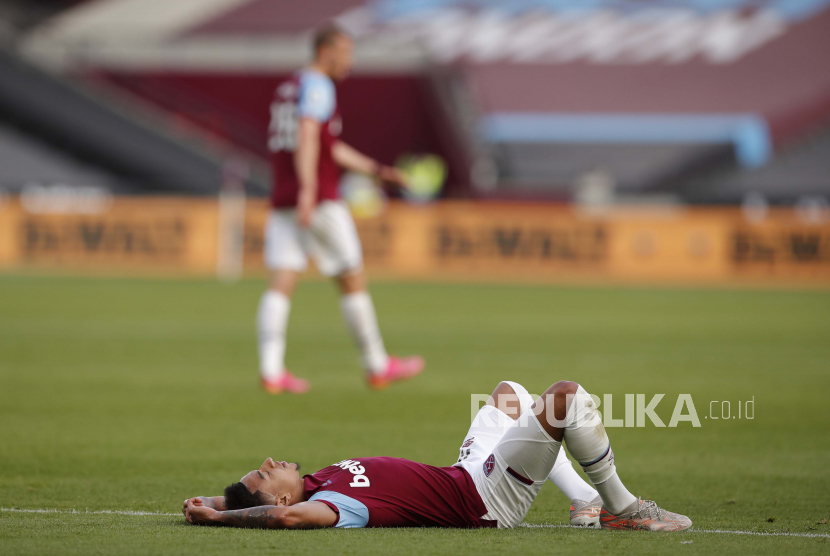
(326, 34)
(238, 497)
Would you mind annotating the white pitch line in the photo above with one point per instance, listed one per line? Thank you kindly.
(528, 525)
(711, 531)
(98, 512)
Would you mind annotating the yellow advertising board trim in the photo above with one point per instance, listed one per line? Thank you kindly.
(455, 240)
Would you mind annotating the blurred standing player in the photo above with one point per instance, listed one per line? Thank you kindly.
(309, 219)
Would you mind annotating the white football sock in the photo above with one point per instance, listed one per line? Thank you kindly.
(568, 480)
(272, 321)
(588, 443)
(359, 313)
(615, 497)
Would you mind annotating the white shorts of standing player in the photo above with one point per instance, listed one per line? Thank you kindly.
(331, 240)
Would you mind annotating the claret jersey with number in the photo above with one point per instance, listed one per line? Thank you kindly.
(393, 492)
(307, 94)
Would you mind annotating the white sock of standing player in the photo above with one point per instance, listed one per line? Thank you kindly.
(359, 313)
(272, 323)
(568, 480)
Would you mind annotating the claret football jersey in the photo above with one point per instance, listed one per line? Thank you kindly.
(393, 492)
(307, 94)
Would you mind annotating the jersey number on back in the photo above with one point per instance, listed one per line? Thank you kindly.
(282, 132)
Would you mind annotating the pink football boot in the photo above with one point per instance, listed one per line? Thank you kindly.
(398, 368)
(286, 382)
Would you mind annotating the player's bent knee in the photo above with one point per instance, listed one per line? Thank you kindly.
(351, 282)
(504, 388)
(563, 388)
(283, 281)
(558, 398)
(506, 399)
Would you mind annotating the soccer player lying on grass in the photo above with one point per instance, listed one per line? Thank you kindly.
(511, 449)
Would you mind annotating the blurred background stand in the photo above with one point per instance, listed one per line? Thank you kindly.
(533, 130)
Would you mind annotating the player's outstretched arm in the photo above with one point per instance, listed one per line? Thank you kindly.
(305, 515)
(350, 158)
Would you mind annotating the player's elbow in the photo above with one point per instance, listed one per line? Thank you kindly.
(287, 519)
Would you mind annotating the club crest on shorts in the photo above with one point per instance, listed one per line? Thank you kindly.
(468, 442)
(489, 465)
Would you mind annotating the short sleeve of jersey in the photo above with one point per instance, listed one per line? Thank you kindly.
(317, 96)
(353, 514)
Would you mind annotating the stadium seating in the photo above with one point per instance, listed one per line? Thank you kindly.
(696, 102)
(96, 139)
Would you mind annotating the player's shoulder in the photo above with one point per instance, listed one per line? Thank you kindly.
(313, 82)
(311, 75)
(316, 95)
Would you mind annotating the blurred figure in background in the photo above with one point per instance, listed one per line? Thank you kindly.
(309, 219)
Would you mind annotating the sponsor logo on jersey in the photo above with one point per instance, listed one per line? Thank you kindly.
(468, 442)
(288, 90)
(359, 480)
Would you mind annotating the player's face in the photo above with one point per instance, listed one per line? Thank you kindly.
(341, 57)
(273, 479)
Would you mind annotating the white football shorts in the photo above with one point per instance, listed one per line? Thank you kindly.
(331, 240)
(508, 460)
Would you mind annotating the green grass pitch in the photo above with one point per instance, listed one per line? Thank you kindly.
(134, 394)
